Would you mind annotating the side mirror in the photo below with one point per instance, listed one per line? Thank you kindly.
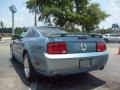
(15, 37)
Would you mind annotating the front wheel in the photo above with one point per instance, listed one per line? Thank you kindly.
(28, 68)
(11, 54)
(106, 40)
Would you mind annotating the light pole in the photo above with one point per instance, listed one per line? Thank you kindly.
(13, 10)
(35, 22)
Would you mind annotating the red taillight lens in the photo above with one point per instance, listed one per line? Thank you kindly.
(100, 46)
(57, 48)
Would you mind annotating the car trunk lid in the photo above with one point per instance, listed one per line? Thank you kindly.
(76, 43)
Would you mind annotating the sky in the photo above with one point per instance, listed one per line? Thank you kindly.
(111, 7)
(22, 17)
(25, 19)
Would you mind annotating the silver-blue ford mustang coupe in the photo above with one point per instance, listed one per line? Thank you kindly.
(54, 51)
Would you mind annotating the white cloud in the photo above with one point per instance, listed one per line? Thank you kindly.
(114, 12)
(116, 3)
(24, 18)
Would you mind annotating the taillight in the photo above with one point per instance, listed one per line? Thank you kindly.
(57, 48)
(100, 46)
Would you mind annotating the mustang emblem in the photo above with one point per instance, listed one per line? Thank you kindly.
(83, 46)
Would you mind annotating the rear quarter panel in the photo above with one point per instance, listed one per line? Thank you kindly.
(36, 49)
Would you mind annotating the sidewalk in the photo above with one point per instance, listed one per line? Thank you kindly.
(5, 38)
(113, 48)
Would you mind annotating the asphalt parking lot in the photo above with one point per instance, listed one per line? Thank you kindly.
(12, 77)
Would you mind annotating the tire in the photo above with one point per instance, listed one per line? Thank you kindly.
(11, 54)
(85, 73)
(106, 40)
(29, 71)
(102, 68)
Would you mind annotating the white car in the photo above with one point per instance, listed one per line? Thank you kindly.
(111, 37)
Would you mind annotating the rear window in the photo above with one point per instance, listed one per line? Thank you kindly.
(48, 31)
(97, 36)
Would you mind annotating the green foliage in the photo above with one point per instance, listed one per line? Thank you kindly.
(67, 13)
(2, 24)
(93, 17)
(18, 30)
(5, 30)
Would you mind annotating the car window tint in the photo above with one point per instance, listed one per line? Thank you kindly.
(23, 34)
(112, 35)
(50, 31)
(35, 34)
(32, 33)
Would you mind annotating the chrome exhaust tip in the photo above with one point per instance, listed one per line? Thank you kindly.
(56, 74)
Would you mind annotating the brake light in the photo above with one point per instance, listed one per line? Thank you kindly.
(57, 48)
(100, 46)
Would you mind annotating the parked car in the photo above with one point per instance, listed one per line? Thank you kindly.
(53, 51)
(112, 37)
(97, 35)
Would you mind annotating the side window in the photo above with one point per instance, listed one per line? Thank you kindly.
(112, 35)
(23, 34)
(35, 34)
(32, 33)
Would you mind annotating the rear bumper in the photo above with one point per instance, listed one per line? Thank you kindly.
(69, 63)
(76, 55)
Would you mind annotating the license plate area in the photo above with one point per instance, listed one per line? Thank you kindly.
(87, 63)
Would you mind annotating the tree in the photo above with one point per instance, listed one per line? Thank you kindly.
(2, 24)
(93, 17)
(19, 30)
(68, 13)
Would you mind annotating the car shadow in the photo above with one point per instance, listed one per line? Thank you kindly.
(69, 82)
(19, 70)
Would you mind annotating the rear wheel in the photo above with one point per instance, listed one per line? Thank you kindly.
(28, 68)
(85, 73)
(102, 68)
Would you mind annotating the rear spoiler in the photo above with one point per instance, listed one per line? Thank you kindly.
(81, 35)
(68, 34)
